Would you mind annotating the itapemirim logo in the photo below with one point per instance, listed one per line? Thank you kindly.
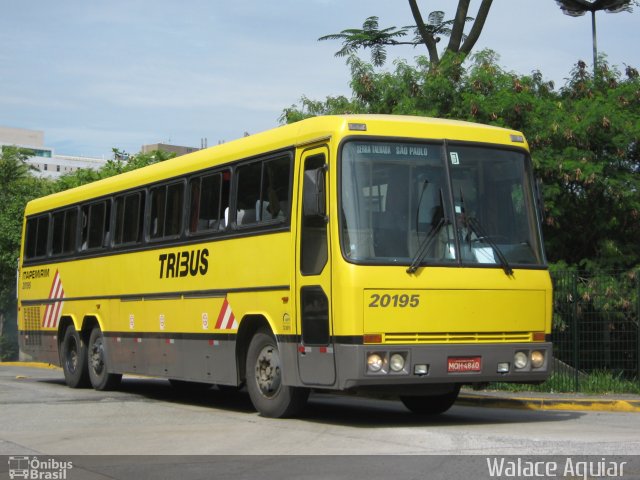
(35, 469)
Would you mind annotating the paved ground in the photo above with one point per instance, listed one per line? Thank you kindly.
(504, 399)
(147, 430)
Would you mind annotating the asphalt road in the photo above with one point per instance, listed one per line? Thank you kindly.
(40, 415)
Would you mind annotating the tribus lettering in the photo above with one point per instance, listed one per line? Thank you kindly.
(185, 263)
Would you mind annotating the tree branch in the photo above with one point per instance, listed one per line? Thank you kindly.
(458, 26)
(427, 38)
(478, 25)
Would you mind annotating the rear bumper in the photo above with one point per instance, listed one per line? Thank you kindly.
(352, 373)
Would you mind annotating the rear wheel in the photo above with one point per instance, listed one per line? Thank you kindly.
(264, 380)
(431, 404)
(73, 357)
(99, 374)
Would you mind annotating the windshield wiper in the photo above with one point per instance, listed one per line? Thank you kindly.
(426, 243)
(424, 247)
(483, 237)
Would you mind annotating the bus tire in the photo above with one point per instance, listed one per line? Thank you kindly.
(430, 404)
(264, 380)
(73, 357)
(99, 374)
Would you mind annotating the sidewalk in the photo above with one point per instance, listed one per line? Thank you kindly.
(550, 401)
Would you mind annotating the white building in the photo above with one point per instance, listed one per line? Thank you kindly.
(46, 162)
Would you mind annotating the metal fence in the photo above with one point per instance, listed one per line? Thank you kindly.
(595, 328)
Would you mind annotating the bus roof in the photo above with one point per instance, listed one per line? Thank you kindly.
(299, 133)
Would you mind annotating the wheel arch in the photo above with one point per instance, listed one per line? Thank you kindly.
(89, 322)
(249, 325)
(65, 322)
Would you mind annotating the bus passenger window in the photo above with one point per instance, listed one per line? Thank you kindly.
(249, 177)
(166, 211)
(263, 191)
(129, 218)
(64, 231)
(209, 198)
(36, 237)
(95, 221)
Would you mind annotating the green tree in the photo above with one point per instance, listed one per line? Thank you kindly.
(18, 187)
(427, 33)
(584, 138)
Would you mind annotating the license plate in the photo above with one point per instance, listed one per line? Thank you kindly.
(464, 364)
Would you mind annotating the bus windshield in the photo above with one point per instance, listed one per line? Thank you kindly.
(426, 203)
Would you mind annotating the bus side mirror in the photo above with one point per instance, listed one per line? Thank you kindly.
(313, 201)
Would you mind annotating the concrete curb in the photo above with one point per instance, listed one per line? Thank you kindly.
(547, 403)
(30, 364)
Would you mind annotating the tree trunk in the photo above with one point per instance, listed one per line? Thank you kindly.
(477, 27)
(458, 26)
(427, 38)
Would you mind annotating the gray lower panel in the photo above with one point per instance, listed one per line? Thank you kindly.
(198, 360)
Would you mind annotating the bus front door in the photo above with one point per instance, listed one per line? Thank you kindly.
(316, 361)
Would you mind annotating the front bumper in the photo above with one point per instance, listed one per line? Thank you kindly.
(445, 364)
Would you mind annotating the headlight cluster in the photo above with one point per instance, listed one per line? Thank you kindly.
(387, 362)
(524, 359)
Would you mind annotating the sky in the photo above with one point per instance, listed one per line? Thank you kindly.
(122, 73)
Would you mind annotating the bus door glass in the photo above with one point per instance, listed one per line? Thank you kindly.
(313, 286)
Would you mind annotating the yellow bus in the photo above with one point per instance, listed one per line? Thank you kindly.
(361, 253)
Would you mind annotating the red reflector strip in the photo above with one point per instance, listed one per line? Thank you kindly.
(539, 336)
(169, 341)
(372, 338)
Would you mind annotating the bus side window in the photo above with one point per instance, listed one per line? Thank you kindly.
(129, 217)
(166, 210)
(95, 221)
(248, 194)
(65, 225)
(263, 191)
(36, 237)
(209, 197)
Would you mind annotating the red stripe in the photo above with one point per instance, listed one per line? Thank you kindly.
(47, 312)
(222, 313)
(55, 307)
(53, 285)
(230, 321)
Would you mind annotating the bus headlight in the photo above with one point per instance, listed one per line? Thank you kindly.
(520, 360)
(374, 362)
(537, 359)
(396, 362)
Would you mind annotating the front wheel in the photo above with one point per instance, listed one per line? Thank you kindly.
(264, 380)
(431, 404)
(73, 357)
(99, 374)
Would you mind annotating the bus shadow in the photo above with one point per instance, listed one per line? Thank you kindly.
(332, 408)
(363, 412)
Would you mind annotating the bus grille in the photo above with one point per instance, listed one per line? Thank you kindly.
(33, 330)
(456, 337)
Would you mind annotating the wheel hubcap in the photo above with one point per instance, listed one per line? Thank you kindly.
(96, 356)
(72, 356)
(268, 371)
